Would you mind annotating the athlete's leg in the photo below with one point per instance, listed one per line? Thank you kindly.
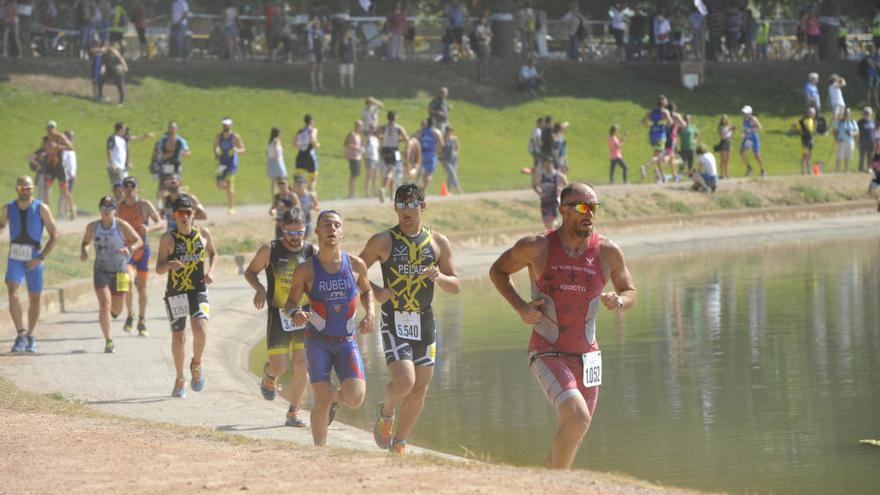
(300, 379)
(230, 193)
(352, 392)
(140, 283)
(572, 425)
(132, 272)
(412, 404)
(403, 379)
(325, 396)
(116, 303)
(178, 349)
(745, 159)
(14, 303)
(277, 364)
(427, 179)
(103, 294)
(761, 161)
(199, 330)
(33, 311)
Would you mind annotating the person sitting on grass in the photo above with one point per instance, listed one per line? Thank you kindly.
(707, 178)
(530, 78)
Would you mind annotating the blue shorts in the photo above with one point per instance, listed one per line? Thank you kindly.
(16, 272)
(874, 80)
(325, 355)
(753, 143)
(142, 264)
(429, 164)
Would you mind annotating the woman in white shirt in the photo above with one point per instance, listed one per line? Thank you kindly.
(275, 168)
(835, 96)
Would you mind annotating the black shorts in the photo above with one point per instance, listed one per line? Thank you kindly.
(813, 40)
(197, 307)
(277, 340)
(55, 173)
(807, 142)
(305, 160)
(391, 156)
(115, 37)
(618, 36)
(118, 282)
(354, 167)
(421, 353)
(549, 209)
(724, 145)
(457, 35)
(142, 35)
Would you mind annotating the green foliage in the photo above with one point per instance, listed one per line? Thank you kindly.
(749, 199)
(811, 194)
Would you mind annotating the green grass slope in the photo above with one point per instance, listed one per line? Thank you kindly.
(493, 121)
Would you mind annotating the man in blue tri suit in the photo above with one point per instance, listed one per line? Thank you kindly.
(656, 120)
(430, 140)
(333, 281)
(26, 217)
(227, 146)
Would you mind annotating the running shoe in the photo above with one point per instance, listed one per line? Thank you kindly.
(179, 388)
(129, 324)
(21, 341)
(142, 328)
(292, 418)
(332, 415)
(382, 429)
(398, 446)
(268, 385)
(109, 347)
(749, 171)
(198, 379)
(31, 345)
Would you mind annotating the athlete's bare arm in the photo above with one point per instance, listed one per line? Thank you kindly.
(155, 222)
(238, 144)
(133, 241)
(166, 248)
(4, 217)
(87, 240)
(530, 251)
(646, 120)
(359, 268)
(52, 230)
(199, 211)
(757, 124)
(212, 255)
(403, 134)
(439, 137)
(252, 274)
(443, 273)
(216, 149)
(378, 249)
(624, 296)
(303, 275)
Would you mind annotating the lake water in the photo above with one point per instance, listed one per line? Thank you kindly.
(751, 371)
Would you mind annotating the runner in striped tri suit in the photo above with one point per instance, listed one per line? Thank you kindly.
(414, 259)
(334, 281)
(568, 269)
(187, 253)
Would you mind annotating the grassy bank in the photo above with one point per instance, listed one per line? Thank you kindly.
(493, 121)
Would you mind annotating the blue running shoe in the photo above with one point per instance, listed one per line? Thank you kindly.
(20, 343)
(269, 384)
(198, 379)
(398, 446)
(31, 345)
(179, 390)
(293, 419)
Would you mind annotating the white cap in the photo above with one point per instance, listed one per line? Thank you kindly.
(747, 109)
(812, 75)
(226, 121)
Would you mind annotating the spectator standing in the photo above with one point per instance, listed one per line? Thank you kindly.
(106, 11)
(811, 92)
(117, 155)
(807, 127)
(347, 58)
(662, 37)
(395, 25)
(615, 152)
(409, 40)
(315, 40)
(541, 32)
(688, 137)
(749, 33)
(637, 34)
(872, 62)
(438, 109)
(371, 164)
(715, 25)
(527, 24)
(354, 151)
(139, 17)
(66, 205)
(732, 30)
(11, 28)
(456, 14)
(842, 35)
(81, 17)
(179, 25)
(575, 27)
(246, 32)
(762, 40)
(118, 24)
(866, 138)
(835, 97)
(697, 23)
(230, 29)
(529, 78)
(814, 33)
(845, 132)
(25, 18)
(483, 41)
(371, 114)
(618, 15)
(114, 69)
(275, 168)
(875, 31)
(725, 135)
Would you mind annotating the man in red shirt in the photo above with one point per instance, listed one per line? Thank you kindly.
(568, 269)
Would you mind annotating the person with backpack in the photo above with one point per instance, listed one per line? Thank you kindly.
(575, 26)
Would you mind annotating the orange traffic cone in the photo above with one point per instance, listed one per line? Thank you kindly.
(817, 169)
(443, 190)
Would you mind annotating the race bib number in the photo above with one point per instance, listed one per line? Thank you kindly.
(167, 168)
(397, 156)
(178, 306)
(287, 322)
(221, 169)
(21, 252)
(592, 368)
(408, 325)
(123, 281)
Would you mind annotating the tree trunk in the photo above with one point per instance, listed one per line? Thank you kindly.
(503, 28)
(829, 23)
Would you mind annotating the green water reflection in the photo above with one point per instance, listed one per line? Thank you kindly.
(754, 371)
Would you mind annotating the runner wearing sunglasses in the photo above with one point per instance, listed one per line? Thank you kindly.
(568, 269)
(115, 241)
(285, 341)
(414, 259)
(187, 253)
